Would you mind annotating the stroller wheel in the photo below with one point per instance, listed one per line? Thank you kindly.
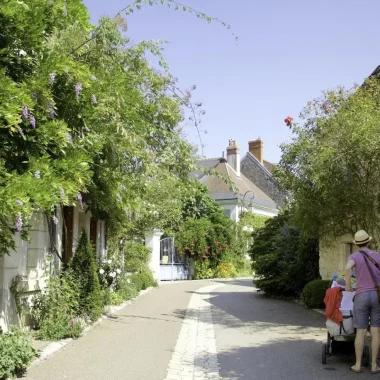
(366, 355)
(324, 349)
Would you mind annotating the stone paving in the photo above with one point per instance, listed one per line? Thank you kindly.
(195, 356)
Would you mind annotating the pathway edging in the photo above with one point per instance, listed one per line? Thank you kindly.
(54, 347)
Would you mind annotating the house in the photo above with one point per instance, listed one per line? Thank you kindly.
(238, 190)
(27, 261)
(259, 171)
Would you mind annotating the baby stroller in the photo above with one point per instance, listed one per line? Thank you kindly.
(341, 337)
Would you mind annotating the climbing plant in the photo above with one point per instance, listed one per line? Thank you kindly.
(85, 119)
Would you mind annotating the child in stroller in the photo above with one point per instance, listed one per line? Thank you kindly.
(339, 323)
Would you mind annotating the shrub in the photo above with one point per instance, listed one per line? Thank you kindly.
(127, 288)
(203, 270)
(55, 310)
(84, 270)
(136, 256)
(116, 298)
(109, 272)
(283, 261)
(225, 270)
(143, 280)
(16, 352)
(314, 293)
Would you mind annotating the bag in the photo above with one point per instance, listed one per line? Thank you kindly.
(346, 327)
(366, 258)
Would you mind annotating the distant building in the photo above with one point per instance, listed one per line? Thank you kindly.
(242, 185)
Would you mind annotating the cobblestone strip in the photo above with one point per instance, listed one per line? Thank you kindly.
(195, 356)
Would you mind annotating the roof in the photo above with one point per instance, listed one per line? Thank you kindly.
(268, 165)
(207, 163)
(220, 190)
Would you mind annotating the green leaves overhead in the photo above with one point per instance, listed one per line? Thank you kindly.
(82, 112)
(331, 168)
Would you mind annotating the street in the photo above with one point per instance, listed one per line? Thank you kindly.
(200, 330)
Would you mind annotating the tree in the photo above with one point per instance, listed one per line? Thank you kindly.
(84, 271)
(84, 118)
(331, 169)
(283, 261)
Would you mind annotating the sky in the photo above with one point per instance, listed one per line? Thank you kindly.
(288, 52)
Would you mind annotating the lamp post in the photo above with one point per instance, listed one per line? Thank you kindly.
(251, 199)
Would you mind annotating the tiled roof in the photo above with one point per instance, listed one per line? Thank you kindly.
(206, 163)
(220, 190)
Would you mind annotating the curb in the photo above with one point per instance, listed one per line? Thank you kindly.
(54, 347)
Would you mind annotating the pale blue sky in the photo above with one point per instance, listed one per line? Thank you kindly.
(288, 52)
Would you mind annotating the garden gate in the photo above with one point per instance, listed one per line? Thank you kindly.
(172, 265)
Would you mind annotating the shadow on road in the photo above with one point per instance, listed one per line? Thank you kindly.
(249, 308)
(290, 360)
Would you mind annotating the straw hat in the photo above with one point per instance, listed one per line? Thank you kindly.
(361, 237)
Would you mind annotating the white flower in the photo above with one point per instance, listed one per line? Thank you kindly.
(101, 271)
(113, 274)
(22, 52)
(128, 281)
(109, 262)
(118, 271)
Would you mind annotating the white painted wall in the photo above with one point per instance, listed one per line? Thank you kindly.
(152, 241)
(27, 260)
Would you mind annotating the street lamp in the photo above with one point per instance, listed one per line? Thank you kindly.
(251, 199)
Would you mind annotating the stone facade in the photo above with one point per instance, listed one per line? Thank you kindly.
(333, 255)
(261, 177)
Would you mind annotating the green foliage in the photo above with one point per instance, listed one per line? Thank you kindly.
(127, 288)
(203, 270)
(116, 298)
(136, 256)
(225, 270)
(16, 352)
(84, 270)
(331, 169)
(314, 293)
(55, 311)
(253, 220)
(83, 114)
(283, 260)
(143, 280)
(205, 238)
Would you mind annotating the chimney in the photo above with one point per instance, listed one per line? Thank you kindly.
(233, 156)
(256, 148)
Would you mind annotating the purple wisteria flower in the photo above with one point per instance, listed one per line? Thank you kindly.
(69, 138)
(51, 111)
(20, 203)
(64, 9)
(78, 88)
(93, 99)
(37, 174)
(18, 223)
(55, 219)
(52, 78)
(25, 111)
(32, 121)
(62, 194)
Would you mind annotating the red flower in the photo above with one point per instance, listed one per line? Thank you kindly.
(288, 121)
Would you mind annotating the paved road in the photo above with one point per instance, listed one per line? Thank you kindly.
(201, 330)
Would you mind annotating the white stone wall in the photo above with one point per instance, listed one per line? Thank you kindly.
(28, 258)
